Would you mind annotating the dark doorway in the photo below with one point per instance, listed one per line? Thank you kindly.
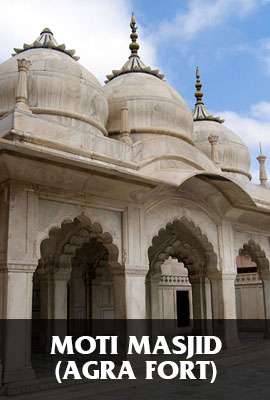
(182, 308)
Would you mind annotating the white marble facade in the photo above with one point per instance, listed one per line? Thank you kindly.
(113, 199)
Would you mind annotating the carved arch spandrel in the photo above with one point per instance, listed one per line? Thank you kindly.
(183, 240)
(58, 250)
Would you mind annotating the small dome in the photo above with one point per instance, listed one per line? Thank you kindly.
(233, 154)
(154, 107)
(59, 88)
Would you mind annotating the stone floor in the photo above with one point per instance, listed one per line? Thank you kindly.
(243, 371)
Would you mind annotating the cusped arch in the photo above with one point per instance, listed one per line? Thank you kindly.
(183, 240)
(58, 250)
(257, 255)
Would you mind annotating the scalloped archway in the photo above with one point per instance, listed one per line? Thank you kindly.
(253, 287)
(184, 241)
(256, 254)
(60, 247)
(76, 254)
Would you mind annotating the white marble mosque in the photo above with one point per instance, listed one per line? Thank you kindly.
(119, 201)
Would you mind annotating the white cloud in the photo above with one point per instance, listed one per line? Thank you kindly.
(261, 110)
(254, 128)
(98, 30)
(262, 52)
(251, 129)
(201, 15)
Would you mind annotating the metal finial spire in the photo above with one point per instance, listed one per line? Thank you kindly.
(46, 30)
(200, 112)
(198, 86)
(134, 63)
(134, 46)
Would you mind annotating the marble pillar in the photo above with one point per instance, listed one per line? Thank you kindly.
(229, 310)
(17, 310)
(265, 276)
(135, 292)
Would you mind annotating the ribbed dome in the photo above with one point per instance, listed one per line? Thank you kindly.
(154, 107)
(233, 153)
(59, 88)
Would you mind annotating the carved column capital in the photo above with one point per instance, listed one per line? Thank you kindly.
(213, 140)
(136, 270)
(23, 64)
(17, 267)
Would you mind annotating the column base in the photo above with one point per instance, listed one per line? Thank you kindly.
(18, 375)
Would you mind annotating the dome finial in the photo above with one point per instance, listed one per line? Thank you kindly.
(198, 86)
(134, 62)
(200, 112)
(134, 46)
(46, 40)
(46, 30)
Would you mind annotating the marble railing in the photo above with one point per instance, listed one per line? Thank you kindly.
(174, 280)
(248, 279)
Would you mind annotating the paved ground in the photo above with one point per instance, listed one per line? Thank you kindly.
(243, 372)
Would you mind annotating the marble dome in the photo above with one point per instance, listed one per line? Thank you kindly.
(233, 154)
(154, 107)
(59, 88)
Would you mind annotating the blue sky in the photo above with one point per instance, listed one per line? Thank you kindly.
(230, 52)
(228, 39)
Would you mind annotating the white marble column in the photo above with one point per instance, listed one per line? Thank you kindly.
(18, 261)
(228, 299)
(78, 300)
(135, 292)
(198, 297)
(227, 276)
(216, 295)
(60, 281)
(134, 260)
(228, 295)
(119, 291)
(17, 310)
(46, 296)
(265, 276)
(153, 287)
(202, 303)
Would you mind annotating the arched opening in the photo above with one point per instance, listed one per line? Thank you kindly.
(251, 264)
(75, 277)
(90, 287)
(183, 242)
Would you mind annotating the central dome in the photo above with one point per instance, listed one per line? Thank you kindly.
(59, 88)
(154, 107)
